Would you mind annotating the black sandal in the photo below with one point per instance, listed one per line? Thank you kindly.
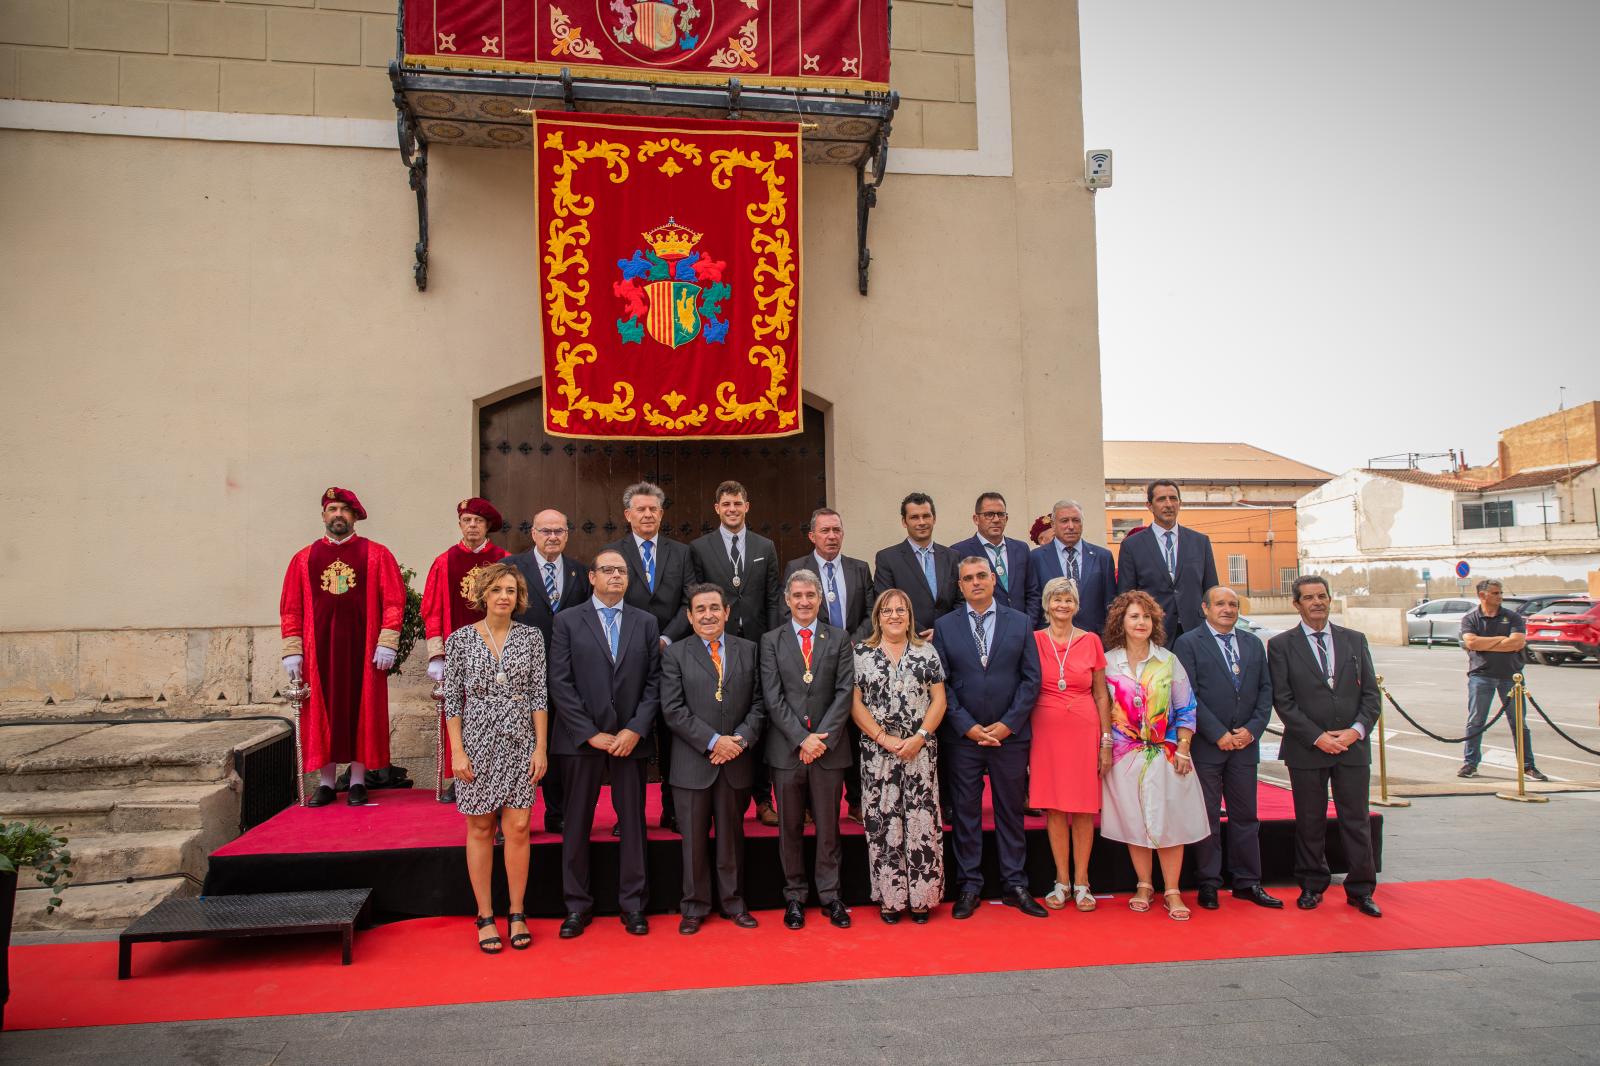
(489, 945)
(519, 941)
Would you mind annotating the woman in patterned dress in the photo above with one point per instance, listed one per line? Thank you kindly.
(899, 700)
(1151, 797)
(499, 725)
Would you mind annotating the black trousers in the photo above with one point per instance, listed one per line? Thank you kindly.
(698, 809)
(852, 773)
(796, 789)
(1349, 782)
(554, 789)
(581, 777)
(1234, 780)
(663, 743)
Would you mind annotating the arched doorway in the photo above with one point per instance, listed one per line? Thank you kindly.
(524, 471)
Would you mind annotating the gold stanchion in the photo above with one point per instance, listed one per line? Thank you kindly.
(297, 692)
(1519, 713)
(444, 738)
(1383, 799)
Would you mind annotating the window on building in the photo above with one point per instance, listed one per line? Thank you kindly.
(1286, 576)
(1121, 527)
(1238, 572)
(1491, 514)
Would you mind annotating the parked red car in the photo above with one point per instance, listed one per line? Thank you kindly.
(1565, 631)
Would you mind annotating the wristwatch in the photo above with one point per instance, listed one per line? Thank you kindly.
(924, 734)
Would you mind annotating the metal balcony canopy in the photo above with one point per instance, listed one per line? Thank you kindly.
(439, 104)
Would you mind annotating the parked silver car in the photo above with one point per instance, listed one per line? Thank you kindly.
(1437, 621)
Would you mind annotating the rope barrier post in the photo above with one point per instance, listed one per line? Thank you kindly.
(297, 692)
(1519, 716)
(438, 757)
(1383, 799)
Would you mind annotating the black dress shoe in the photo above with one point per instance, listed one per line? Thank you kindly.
(889, 917)
(669, 821)
(920, 917)
(574, 924)
(1366, 905)
(966, 905)
(743, 919)
(1019, 897)
(794, 915)
(1208, 897)
(448, 793)
(837, 915)
(1308, 900)
(1254, 894)
(689, 924)
(322, 797)
(357, 796)
(635, 923)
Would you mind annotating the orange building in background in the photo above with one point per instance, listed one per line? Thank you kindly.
(1240, 496)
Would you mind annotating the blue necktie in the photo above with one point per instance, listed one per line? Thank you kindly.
(649, 549)
(1233, 660)
(835, 610)
(550, 584)
(927, 571)
(611, 629)
(1072, 563)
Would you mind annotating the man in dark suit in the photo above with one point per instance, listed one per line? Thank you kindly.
(1069, 555)
(744, 564)
(1172, 563)
(991, 682)
(1326, 693)
(556, 582)
(849, 595)
(1227, 669)
(1007, 556)
(660, 570)
(923, 570)
(807, 681)
(711, 701)
(605, 666)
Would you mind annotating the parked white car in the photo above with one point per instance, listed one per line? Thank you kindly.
(1437, 621)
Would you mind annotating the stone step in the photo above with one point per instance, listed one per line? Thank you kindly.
(73, 757)
(107, 855)
(137, 809)
(94, 906)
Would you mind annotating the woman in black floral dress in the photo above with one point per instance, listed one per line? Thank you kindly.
(496, 714)
(899, 701)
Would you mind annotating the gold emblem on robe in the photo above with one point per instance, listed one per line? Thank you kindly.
(338, 578)
(468, 580)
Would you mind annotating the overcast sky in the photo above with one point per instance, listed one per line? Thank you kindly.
(1345, 230)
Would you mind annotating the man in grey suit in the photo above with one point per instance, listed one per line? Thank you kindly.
(711, 701)
(807, 681)
(1172, 563)
(745, 565)
(1326, 692)
(1227, 669)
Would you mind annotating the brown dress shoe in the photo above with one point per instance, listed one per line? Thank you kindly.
(766, 815)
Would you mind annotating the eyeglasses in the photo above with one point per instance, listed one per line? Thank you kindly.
(891, 612)
(547, 532)
(608, 571)
(993, 514)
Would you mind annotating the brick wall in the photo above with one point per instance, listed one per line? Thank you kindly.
(327, 57)
(1570, 436)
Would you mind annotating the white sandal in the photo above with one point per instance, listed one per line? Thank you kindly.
(1082, 898)
(1057, 897)
(1180, 913)
(1140, 904)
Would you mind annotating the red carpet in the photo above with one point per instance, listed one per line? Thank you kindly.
(412, 818)
(431, 961)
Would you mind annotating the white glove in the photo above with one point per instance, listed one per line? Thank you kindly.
(436, 669)
(383, 658)
(292, 664)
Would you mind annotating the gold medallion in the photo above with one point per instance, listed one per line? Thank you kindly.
(338, 578)
(808, 677)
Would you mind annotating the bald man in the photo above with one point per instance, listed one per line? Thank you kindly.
(556, 582)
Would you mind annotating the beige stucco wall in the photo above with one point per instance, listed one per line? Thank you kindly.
(208, 334)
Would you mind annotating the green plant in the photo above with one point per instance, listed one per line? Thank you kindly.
(30, 844)
(411, 624)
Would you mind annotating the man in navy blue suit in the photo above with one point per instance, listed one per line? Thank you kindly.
(1172, 563)
(1069, 555)
(1233, 688)
(1008, 557)
(991, 668)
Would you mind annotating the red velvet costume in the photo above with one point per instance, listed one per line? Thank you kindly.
(445, 607)
(340, 602)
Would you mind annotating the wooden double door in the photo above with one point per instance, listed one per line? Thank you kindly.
(523, 471)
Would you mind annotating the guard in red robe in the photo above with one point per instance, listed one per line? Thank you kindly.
(446, 606)
(342, 605)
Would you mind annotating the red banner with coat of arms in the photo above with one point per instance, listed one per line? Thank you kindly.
(839, 44)
(669, 276)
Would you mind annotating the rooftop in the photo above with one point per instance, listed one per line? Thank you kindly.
(1528, 479)
(1191, 461)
